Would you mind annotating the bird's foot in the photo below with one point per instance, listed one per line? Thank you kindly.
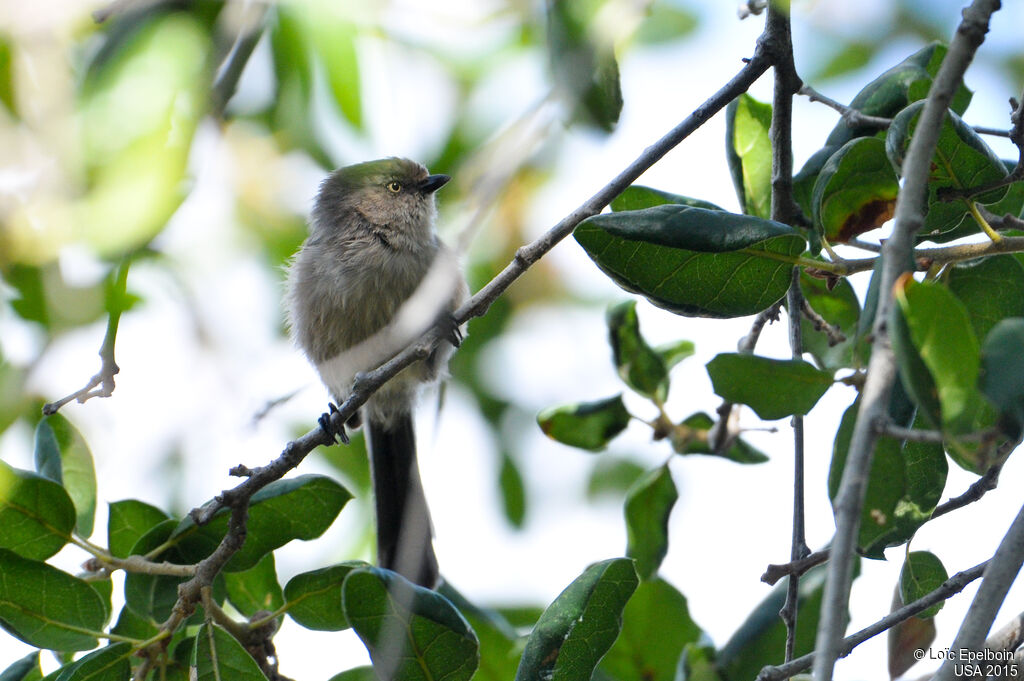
(327, 425)
(450, 330)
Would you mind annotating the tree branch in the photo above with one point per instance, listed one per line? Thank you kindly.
(977, 490)
(776, 571)
(950, 587)
(909, 218)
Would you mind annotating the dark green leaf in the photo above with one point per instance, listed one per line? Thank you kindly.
(580, 625)
(991, 290)
(256, 589)
(839, 307)
(696, 442)
(314, 598)
(412, 633)
(639, 366)
(656, 625)
(46, 607)
(513, 490)
(773, 388)
(961, 161)
(356, 674)
(587, 425)
(904, 485)
(62, 455)
(7, 77)
(36, 514)
(302, 507)
(692, 261)
(127, 521)
(499, 643)
(1002, 372)
(112, 663)
(131, 625)
(807, 177)
(219, 656)
(855, 191)
(648, 506)
(638, 197)
(153, 596)
(25, 669)
(749, 152)
(922, 573)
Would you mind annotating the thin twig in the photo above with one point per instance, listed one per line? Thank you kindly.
(102, 384)
(909, 218)
(228, 74)
(833, 333)
(977, 490)
(950, 587)
(776, 571)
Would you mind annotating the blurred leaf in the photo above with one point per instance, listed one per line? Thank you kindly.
(638, 197)
(666, 22)
(904, 486)
(638, 365)
(48, 608)
(7, 97)
(356, 674)
(855, 191)
(773, 388)
(314, 598)
(110, 663)
(698, 663)
(255, 589)
(36, 514)
(499, 642)
(13, 400)
(587, 425)
(1002, 372)
(840, 308)
(749, 153)
(962, 160)
(513, 491)
(692, 261)
(583, 63)
(302, 507)
(675, 352)
(43, 296)
(656, 625)
(580, 625)
(219, 656)
(334, 44)
(127, 521)
(701, 424)
(648, 506)
(906, 639)
(62, 455)
(412, 633)
(991, 290)
(922, 573)
(851, 57)
(612, 476)
(25, 669)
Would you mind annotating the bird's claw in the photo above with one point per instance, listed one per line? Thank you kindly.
(327, 425)
(450, 330)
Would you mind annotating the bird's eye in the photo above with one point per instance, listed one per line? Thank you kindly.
(394, 187)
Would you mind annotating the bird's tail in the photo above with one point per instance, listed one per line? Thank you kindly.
(403, 521)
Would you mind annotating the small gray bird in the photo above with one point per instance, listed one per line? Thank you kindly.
(371, 277)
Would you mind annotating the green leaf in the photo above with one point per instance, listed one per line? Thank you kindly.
(1002, 372)
(850, 57)
(580, 625)
(111, 663)
(334, 42)
(46, 607)
(855, 191)
(500, 645)
(131, 625)
(356, 674)
(838, 306)
(513, 490)
(656, 625)
(62, 455)
(25, 669)
(773, 388)
(922, 573)
(991, 290)
(587, 425)
(700, 425)
(314, 598)
(697, 663)
(675, 352)
(302, 507)
(411, 633)
(583, 63)
(219, 656)
(749, 152)
(638, 197)
(904, 486)
(648, 506)
(612, 477)
(692, 261)
(639, 366)
(7, 97)
(153, 596)
(961, 161)
(931, 324)
(256, 589)
(36, 514)
(666, 22)
(127, 521)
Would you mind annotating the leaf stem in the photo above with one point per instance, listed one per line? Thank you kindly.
(983, 223)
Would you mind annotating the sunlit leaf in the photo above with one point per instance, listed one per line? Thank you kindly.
(36, 514)
(111, 663)
(62, 455)
(219, 656)
(749, 152)
(855, 191)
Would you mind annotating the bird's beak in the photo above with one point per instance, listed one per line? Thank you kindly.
(433, 183)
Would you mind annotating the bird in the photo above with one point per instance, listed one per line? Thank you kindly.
(371, 277)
